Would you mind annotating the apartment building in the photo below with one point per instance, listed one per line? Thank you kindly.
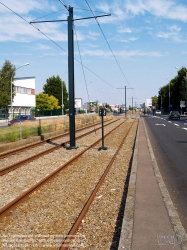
(24, 99)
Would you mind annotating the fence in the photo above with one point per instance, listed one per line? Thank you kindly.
(3, 114)
(41, 126)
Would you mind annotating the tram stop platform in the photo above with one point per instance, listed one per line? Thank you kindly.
(150, 220)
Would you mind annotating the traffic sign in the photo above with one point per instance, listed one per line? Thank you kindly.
(102, 112)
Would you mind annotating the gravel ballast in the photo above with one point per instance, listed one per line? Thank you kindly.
(48, 214)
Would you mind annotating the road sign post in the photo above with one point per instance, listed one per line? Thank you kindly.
(102, 113)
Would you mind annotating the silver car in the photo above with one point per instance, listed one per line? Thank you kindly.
(158, 112)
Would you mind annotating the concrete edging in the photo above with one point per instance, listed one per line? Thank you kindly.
(34, 139)
(128, 218)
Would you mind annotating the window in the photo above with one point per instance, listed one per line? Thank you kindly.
(23, 90)
(28, 91)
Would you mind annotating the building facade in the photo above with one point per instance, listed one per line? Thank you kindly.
(24, 99)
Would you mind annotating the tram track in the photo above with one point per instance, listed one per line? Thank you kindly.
(73, 230)
(50, 176)
(18, 150)
(36, 156)
(15, 222)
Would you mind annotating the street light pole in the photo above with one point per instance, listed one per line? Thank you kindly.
(63, 95)
(169, 97)
(26, 64)
(186, 91)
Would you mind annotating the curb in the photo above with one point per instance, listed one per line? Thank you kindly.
(128, 218)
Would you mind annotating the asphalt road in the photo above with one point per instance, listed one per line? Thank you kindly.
(169, 142)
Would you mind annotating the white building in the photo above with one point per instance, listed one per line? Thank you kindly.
(24, 99)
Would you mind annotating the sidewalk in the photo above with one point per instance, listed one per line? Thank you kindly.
(150, 220)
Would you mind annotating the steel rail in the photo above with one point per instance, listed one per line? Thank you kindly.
(73, 230)
(4, 155)
(34, 157)
(4, 210)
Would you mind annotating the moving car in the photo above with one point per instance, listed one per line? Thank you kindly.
(21, 118)
(174, 114)
(158, 112)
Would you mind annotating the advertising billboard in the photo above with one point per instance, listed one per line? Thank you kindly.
(149, 103)
(78, 103)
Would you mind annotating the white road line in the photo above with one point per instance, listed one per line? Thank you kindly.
(176, 124)
(184, 128)
(161, 124)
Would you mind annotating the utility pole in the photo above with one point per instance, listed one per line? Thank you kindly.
(186, 91)
(132, 104)
(125, 97)
(71, 69)
(71, 80)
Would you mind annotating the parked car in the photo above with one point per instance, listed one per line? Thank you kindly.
(174, 114)
(158, 112)
(21, 118)
(92, 112)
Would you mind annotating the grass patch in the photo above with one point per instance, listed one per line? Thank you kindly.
(42, 126)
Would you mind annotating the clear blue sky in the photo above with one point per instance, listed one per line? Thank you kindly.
(148, 39)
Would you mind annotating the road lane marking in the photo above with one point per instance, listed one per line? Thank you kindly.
(176, 124)
(160, 124)
(184, 128)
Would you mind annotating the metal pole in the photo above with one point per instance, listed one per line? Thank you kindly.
(169, 97)
(62, 100)
(125, 102)
(125, 97)
(71, 79)
(132, 104)
(102, 133)
(186, 91)
(26, 64)
(63, 95)
(11, 96)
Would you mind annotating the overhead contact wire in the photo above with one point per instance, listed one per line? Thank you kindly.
(83, 74)
(108, 43)
(57, 45)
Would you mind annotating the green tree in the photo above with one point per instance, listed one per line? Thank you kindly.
(43, 102)
(6, 73)
(54, 87)
(178, 91)
(155, 101)
(54, 102)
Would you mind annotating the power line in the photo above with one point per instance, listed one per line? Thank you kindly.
(47, 15)
(84, 75)
(82, 65)
(108, 43)
(64, 5)
(34, 27)
(57, 44)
